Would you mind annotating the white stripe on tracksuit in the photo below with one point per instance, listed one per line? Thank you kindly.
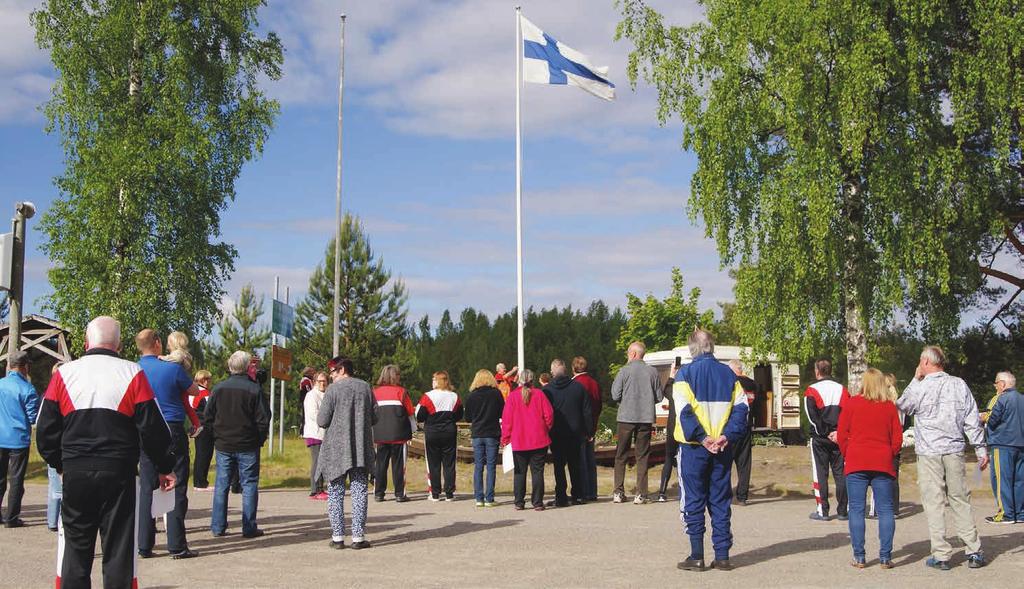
(815, 483)
(682, 489)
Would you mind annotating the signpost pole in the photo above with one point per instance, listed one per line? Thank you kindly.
(284, 384)
(273, 382)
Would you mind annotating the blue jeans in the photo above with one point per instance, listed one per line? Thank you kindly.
(248, 465)
(54, 492)
(883, 487)
(485, 452)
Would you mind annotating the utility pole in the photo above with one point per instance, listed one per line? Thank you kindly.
(23, 211)
(337, 205)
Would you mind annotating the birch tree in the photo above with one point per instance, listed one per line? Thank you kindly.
(158, 106)
(829, 170)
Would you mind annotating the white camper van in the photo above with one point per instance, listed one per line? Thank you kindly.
(776, 408)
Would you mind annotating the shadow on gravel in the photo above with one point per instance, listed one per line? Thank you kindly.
(992, 546)
(791, 547)
(448, 531)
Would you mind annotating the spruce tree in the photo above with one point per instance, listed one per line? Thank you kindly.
(240, 329)
(371, 309)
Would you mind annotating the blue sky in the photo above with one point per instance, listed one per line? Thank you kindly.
(428, 158)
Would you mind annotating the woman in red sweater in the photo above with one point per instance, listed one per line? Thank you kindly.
(870, 436)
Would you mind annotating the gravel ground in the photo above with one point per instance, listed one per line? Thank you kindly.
(427, 544)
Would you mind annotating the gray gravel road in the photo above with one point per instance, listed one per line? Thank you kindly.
(426, 544)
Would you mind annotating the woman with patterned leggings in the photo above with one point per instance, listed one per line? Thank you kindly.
(347, 413)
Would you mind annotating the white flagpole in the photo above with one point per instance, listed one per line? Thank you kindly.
(519, 195)
(337, 203)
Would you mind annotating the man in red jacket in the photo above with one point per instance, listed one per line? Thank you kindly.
(589, 466)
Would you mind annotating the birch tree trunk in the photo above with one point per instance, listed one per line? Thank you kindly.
(854, 334)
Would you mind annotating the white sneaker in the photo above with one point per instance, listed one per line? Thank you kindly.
(617, 498)
(639, 500)
(432, 498)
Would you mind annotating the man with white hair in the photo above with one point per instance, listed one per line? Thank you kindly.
(1006, 438)
(944, 412)
(712, 419)
(637, 389)
(240, 420)
(95, 412)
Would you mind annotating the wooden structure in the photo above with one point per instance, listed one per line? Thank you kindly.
(37, 333)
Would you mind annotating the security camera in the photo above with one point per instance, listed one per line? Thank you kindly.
(26, 208)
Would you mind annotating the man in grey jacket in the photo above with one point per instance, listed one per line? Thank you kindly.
(637, 389)
(944, 412)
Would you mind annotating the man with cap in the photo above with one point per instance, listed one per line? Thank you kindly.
(19, 404)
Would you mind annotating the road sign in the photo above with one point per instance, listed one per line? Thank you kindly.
(280, 363)
(6, 260)
(283, 319)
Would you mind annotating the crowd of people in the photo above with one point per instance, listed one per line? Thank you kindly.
(107, 424)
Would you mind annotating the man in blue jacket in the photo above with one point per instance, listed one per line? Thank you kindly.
(712, 418)
(19, 405)
(1006, 438)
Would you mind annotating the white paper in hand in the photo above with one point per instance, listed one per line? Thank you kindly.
(506, 459)
(163, 501)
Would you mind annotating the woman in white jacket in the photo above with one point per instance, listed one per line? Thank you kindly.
(314, 434)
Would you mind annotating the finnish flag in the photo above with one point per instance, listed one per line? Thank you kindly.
(547, 61)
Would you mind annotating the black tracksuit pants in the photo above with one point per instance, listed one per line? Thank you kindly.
(671, 460)
(441, 455)
(534, 461)
(13, 463)
(149, 480)
(395, 455)
(567, 452)
(825, 456)
(742, 457)
(100, 501)
(204, 454)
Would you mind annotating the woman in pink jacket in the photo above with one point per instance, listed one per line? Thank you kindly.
(525, 424)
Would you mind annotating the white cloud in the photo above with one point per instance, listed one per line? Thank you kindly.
(447, 68)
(25, 74)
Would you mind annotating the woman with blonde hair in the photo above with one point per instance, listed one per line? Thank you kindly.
(483, 410)
(893, 394)
(526, 424)
(870, 436)
(439, 410)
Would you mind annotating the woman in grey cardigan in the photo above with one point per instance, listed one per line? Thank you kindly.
(347, 413)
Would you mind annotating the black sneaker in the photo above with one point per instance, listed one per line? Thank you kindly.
(722, 565)
(942, 565)
(691, 564)
(254, 534)
(360, 545)
(186, 553)
(143, 553)
(842, 517)
(401, 499)
(378, 498)
(14, 523)
(1002, 520)
(336, 545)
(818, 517)
(976, 560)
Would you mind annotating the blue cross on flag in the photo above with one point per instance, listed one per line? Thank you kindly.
(547, 61)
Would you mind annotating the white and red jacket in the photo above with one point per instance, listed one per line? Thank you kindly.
(823, 401)
(439, 410)
(94, 413)
(394, 408)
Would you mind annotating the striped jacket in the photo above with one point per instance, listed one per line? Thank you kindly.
(710, 400)
(823, 402)
(394, 410)
(94, 413)
(439, 411)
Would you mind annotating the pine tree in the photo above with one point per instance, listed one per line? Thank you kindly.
(371, 309)
(240, 329)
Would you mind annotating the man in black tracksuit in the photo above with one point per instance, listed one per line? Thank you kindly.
(742, 450)
(573, 423)
(94, 414)
(823, 401)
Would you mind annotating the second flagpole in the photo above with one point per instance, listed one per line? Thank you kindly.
(519, 197)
